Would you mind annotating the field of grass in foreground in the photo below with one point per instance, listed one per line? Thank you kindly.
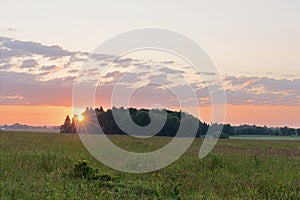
(265, 137)
(41, 166)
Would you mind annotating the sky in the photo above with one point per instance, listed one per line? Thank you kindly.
(254, 44)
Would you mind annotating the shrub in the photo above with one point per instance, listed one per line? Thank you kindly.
(82, 169)
(224, 136)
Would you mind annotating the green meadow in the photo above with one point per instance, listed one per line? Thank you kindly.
(265, 137)
(57, 166)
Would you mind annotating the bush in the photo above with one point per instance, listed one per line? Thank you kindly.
(82, 169)
(224, 136)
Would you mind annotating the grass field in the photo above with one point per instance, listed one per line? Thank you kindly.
(41, 166)
(265, 137)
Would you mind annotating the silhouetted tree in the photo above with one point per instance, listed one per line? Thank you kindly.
(68, 126)
(141, 117)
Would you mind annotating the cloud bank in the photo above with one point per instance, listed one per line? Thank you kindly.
(37, 74)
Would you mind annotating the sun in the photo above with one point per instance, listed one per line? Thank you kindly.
(80, 118)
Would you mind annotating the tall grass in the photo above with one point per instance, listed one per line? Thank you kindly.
(41, 166)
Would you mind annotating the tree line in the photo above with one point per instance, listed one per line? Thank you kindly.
(141, 117)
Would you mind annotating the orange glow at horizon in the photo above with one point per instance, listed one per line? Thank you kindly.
(259, 115)
(235, 115)
(34, 115)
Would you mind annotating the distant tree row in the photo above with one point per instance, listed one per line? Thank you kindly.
(259, 130)
(173, 119)
(141, 118)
